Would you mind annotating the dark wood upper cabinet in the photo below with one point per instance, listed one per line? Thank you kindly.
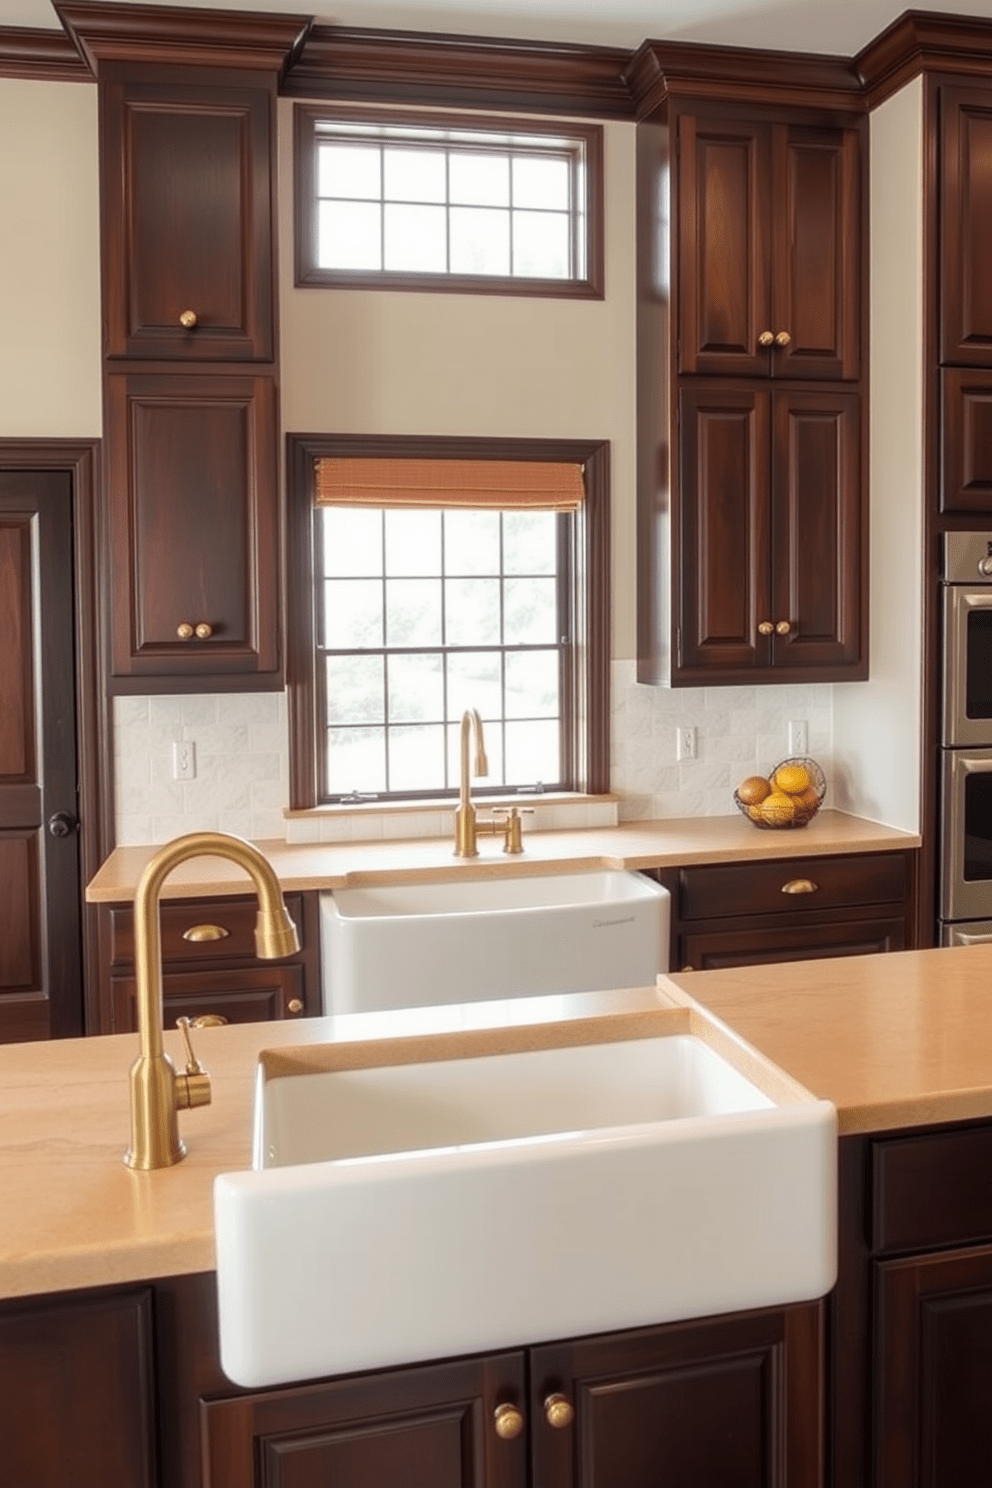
(769, 234)
(770, 533)
(965, 225)
(192, 477)
(187, 220)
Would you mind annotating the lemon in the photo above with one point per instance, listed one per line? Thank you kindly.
(792, 779)
(752, 790)
(778, 809)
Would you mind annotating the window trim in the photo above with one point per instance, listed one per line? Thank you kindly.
(308, 275)
(590, 737)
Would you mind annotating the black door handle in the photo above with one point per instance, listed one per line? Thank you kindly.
(63, 824)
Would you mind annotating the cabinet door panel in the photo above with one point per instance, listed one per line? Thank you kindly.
(254, 994)
(722, 522)
(816, 264)
(966, 441)
(817, 523)
(187, 221)
(966, 222)
(194, 525)
(934, 1365)
(724, 273)
(427, 1427)
(712, 947)
(731, 1403)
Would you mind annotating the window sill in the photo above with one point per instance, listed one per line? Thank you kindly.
(373, 819)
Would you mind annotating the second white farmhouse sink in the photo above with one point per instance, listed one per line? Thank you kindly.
(412, 945)
(429, 1197)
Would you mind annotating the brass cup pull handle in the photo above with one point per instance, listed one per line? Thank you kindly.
(559, 1411)
(783, 628)
(204, 631)
(209, 1020)
(196, 933)
(508, 1422)
(188, 319)
(766, 627)
(783, 339)
(800, 886)
(767, 338)
(185, 631)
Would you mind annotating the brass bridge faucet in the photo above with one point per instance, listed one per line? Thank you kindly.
(467, 825)
(158, 1092)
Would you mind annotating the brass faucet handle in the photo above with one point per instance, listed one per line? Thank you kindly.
(507, 820)
(193, 1085)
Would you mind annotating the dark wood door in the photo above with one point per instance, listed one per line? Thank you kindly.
(818, 533)
(715, 946)
(933, 1425)
(965, 225)
(966, 440)
(40, 939)
(732, 1403)
(721, 590)
(724, 248)
(194, 530)
(816, 261)
(187, 220)
(429, 1427)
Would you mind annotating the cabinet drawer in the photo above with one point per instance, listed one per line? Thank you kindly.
(932, 1190)
(182, 919)
(762, 888)
(255, 994)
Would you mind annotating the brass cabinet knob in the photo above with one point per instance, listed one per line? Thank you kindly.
(783, 338)
(185, 631)
(196, 933)
(508, 1422)
(765, 627)
(784, 627)
(294, 1005)
(800, 886)
(766, 338)
(559, 1411)
(188, 320)
(204, 631)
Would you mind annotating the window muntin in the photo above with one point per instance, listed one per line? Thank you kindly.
(401, 201)
(423, 613)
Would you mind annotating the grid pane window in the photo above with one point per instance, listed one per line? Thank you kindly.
(446, 625)
(451, 202)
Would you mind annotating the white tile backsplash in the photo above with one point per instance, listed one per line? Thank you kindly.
(242, 761)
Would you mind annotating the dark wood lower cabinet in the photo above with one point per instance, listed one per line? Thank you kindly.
(124, 1387)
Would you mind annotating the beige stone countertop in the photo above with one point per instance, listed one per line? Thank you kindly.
(673, 842)
(896, 1040)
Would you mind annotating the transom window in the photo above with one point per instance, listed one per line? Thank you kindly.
(443, 203)
(438, 586)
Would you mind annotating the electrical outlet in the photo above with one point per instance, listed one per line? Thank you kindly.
(798, 737)
(685, 743)
(183, 760)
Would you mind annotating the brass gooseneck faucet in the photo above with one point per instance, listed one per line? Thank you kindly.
(467, 827)
(158, 1092)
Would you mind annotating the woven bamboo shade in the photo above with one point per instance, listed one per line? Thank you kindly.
(498, 484)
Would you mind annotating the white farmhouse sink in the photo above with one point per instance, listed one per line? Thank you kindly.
(412, 945)
(473, 1201)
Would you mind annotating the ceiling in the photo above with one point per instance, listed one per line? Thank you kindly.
(840, 27)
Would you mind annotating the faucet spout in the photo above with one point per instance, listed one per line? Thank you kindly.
(465, 815)
(158, 1092)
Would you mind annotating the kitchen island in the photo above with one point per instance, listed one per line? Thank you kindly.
(902, 1044)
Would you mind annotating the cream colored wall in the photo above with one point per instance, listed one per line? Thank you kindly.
(49, 261)
(877, 724)
(358, 362)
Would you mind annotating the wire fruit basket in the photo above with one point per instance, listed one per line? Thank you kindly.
(790, 795)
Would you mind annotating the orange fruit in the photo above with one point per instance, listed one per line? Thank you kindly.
(809, 800)
(754, 789)
(793, 779)
(778, 809)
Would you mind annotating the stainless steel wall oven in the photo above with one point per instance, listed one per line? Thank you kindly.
(966, 740)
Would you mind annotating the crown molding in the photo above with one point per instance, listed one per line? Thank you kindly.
(660, 70)
(919, 42)
(174, 35)
(363, 65)
(45, 55)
